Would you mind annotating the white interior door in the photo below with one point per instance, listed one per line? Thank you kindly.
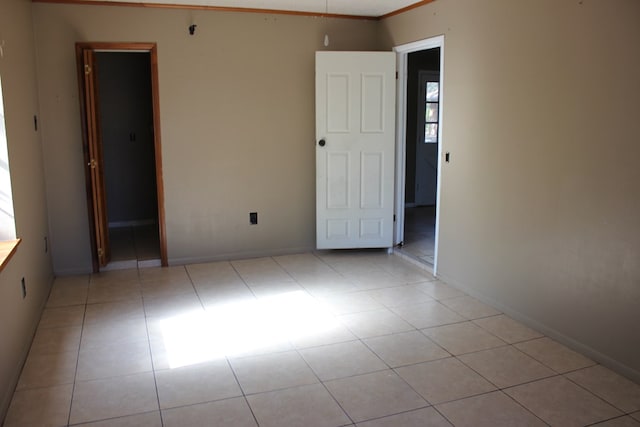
(355, 128)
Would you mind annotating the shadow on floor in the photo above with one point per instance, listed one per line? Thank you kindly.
(133, 245)
(419, 233)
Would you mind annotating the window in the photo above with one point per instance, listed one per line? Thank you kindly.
(432, 98)
(7, 220)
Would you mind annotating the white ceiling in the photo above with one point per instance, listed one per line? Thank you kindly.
(372, 8)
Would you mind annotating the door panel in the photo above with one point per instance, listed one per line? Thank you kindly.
(338, 188)
(372, 169)
(355, 127)
(95, 164)
(372, 103)
(338, 96)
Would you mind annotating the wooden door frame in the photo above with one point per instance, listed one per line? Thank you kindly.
(152, 49)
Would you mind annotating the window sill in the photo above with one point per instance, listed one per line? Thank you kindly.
(7, 249)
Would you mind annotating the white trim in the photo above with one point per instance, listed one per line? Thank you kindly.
(120, 265)
(72, 272)
(132, 223)
(122, 50)
(132, 263)
(401, 149)
(418, 263)
(430, 43)
(244, 255)
(402, 53)
(149, 263)
(550, 332)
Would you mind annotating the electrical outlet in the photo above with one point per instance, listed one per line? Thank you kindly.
(253, 217)
(24, 288)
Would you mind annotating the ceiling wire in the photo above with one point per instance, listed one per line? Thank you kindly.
(326, 14)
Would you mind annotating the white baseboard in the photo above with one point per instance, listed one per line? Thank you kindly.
(577, 346)
(239, 255)
(147, 263)
(413, 260)
(72, 272)
(133, 223)
(120, 265)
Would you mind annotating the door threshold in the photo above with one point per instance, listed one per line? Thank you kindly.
(132, 263)
(147, 263)
(417, 261)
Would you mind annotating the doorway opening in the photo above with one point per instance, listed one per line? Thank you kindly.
(419, 149)
(122, 149)
(126, 117)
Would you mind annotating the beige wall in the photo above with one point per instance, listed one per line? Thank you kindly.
(237, 120)
(19, 316)
(540, 209)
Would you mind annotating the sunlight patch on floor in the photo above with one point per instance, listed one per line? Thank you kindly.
(240, 328)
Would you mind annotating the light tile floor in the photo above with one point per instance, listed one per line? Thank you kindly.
(316, 339)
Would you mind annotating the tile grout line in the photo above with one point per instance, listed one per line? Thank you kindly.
(498, 388)
(417, 261)
(322, 382)
(324, 386)
(301, 356)
(564, 375)
(522, 405)
(75, 375)
(624, 415)
(244, 395)
(362, 340)
(151, 357)
(194, 287)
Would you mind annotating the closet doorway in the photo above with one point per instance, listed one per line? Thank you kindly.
(122, 153)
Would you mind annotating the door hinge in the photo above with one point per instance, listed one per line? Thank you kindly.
(87, 69)
(92, 163)
(396, 75)
(394, 217)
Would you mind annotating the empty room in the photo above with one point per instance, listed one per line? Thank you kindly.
(319, 213)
